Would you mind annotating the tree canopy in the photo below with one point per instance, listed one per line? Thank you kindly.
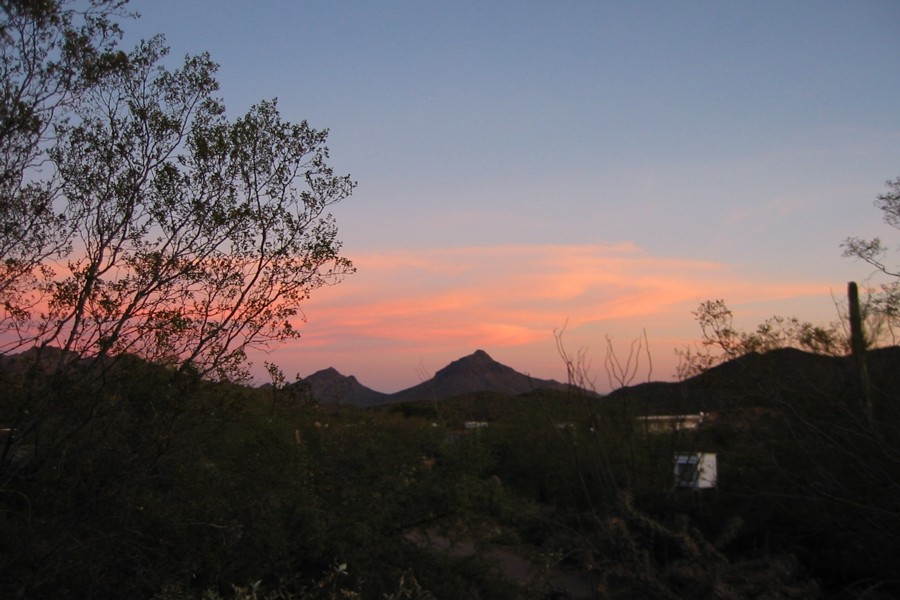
(722, 342)
(137, 217)
(51, 53)
(875, 252)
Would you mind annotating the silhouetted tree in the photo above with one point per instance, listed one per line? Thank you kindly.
(874, 252)
(51, 53)
(189, 237)
(721, 342)
(147, 242)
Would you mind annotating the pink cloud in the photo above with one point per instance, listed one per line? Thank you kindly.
(439, 304)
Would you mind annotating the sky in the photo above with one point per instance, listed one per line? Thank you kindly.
(597, 168)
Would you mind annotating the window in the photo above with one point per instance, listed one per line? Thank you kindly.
(695, 470)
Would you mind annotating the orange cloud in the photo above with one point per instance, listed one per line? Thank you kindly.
(447, 302)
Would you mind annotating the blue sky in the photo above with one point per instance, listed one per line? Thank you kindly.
(526, 164)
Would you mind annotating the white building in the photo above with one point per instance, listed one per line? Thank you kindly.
(695, 470)
(663, 423)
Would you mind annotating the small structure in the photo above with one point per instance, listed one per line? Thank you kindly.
(695, 470)
(472, 425)
(664, 423)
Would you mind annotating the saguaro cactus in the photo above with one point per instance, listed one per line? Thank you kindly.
(858, 348)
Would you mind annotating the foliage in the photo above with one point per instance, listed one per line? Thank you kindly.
(826, 472)
(188, 238)
(181, 487)
(721, 342)
(818, 457)
(645, 557)
(151, 479)
(196, 241)
(51, 53)
(148, 241)
(874, 252)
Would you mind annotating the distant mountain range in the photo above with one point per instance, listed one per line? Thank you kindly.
(750, 380)
(477, 372)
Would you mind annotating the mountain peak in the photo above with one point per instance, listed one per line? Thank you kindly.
(473, 373)
(329, 372)
(329, 386)
(476, 372)
(476, 363)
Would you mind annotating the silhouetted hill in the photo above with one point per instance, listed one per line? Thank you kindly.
(764, 380)
(477, 372)
(752, 380)
(328, 386)
(46, 359)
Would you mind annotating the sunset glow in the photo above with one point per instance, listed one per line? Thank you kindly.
(437, 305)
(599, 166)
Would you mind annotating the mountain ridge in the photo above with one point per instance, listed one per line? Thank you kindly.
(329, 386)
(751, 379)
(476, 372)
